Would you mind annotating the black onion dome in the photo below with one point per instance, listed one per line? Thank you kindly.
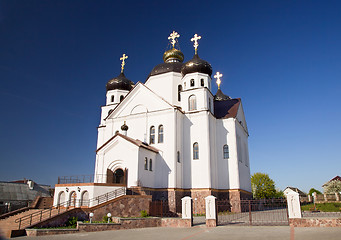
(220, 96)
(196, 64)
(120, 82)
(124, 127)
(166, 67)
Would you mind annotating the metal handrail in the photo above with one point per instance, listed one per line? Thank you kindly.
(99, 199)
(49, 210)
(108, 196)
(89, 178)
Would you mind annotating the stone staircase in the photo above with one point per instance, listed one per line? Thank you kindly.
(10, 225)
(15, 225)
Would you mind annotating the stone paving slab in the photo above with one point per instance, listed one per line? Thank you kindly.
(203, 233)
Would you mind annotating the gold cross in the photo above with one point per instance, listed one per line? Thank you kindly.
(124, 57)
(218, 75)
(173, 36)
(195, 40)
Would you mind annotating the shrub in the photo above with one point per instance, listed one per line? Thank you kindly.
(144, 213)
(72, 222)
(105, 219)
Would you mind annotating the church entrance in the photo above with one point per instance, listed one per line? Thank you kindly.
(118, 176)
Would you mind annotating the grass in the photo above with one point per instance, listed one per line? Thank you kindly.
(323, 207)
(62, 227)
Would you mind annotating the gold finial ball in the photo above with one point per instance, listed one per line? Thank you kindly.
(173, 55)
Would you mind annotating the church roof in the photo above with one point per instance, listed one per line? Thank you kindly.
(129, 139)
(226, 108)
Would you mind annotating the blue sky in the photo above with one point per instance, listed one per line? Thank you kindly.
(281, 57)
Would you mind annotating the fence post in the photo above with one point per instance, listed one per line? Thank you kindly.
(211, 211)
(325, 197)
(187, 212)
(337, 196)
(250, 213)
(294, 206)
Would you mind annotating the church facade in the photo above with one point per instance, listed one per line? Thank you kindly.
(170, 136)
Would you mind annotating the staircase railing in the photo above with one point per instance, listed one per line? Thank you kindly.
(106, 197)
(47, 213)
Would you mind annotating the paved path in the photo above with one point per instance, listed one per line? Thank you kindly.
(200, 232)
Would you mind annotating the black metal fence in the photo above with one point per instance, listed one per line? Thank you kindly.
(161, 209)
(253, 212)
(82, 179)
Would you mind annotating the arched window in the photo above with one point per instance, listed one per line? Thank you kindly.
(195, 150)
(192, 103)
(61, 198)
(145, 163)
(152, 135)
(112, 98)
(192, 82)
(110, 111)
(150, 165)
(121, 98)
(178, 156)
(179, 92)
(202, 82)
(160, 137)
(85, 198)
(226, 152)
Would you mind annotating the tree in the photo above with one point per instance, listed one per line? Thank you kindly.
(312, 190)
(332, 187)
(262, 186)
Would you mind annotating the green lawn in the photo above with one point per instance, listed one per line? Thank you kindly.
(323, 207)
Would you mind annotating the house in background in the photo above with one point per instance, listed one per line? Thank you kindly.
(337, 178)
(19, 194)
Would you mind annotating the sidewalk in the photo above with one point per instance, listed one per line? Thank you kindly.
(201, 232)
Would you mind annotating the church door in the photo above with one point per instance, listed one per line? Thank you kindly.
(119, 176)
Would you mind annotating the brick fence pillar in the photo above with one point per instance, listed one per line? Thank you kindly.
(294, 206)
(187, 212)
(211, 211)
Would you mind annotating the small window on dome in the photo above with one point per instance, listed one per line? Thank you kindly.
(192, 82)
(121, 98)
(202, 82)
(112, 98)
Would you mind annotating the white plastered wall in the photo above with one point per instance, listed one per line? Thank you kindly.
(166, 85)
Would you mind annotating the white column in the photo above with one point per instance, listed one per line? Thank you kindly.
(211, 212)
(187, 208)
(294, 206)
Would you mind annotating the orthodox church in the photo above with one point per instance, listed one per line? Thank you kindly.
(170, 136)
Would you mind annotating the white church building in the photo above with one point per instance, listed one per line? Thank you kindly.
(170, 136)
